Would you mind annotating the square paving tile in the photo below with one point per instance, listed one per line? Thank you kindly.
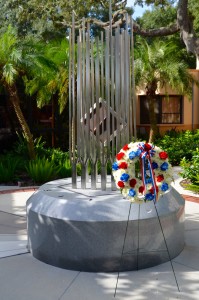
(12, 224)
(25, 278)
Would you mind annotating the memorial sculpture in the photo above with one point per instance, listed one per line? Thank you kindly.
(84, 223)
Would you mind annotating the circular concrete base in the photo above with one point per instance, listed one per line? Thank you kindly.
(84, 230)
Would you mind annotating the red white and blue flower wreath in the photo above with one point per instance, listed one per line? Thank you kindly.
(142, 172)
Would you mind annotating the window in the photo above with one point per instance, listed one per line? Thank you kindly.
(168, 109)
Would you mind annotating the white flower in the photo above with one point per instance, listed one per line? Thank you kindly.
(153, 156)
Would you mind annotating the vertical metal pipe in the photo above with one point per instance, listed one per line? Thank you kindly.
(127, 77)
(79, 95)
(93, 156)
(88, 96)
(73, 108)
(107, 91)
(103, 149)
(133, 83)
(112, 98)
(192, 120)
(117, 88)
(70, 95)
(110, 16)
(97, 98)
(84, 110)
(122, 83)
(102, 153)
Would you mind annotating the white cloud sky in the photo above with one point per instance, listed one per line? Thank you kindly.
(138, 9)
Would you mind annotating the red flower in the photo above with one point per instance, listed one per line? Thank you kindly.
(152, 190)
(132, 182)
(163, 155)
(126, 147)
(120, 155)
(141, 189)
(160, 178)
(121, 184)
(123, 165)
(147, 147)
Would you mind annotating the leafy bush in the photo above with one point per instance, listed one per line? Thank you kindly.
(65, 169)
(179, 144)
(191, 167)
(41, 170)
(20, 147)
(8, 168)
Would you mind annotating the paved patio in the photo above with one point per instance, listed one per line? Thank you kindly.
(22, 277)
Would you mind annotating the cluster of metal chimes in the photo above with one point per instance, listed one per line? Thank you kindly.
(102, 113)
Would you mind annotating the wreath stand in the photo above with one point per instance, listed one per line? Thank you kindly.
(138, 249)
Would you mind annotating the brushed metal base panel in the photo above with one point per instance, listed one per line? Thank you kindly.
(75, 230)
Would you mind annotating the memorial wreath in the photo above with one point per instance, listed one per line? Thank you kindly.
(142, 172)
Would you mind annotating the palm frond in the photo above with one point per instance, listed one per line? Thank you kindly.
(160, 62)
(9, 73)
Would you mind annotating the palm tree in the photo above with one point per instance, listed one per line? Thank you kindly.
(156, 66)
(51, 81)
(12, 66)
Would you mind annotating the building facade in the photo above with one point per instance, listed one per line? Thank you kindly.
(173, 111)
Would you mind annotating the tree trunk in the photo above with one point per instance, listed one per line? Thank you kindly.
(12, 90)
(150, 93)
(153, 120)
(186, 28)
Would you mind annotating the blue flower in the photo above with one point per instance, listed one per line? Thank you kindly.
(115, 166)
(149, 197)
(164, 187)
(148, 180)
(132, 155)
(124, 177)
(154, 165)
(141, 145)
(138, 152)
(132, 192)
(164, 166)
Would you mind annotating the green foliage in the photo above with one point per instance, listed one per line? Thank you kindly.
(20, 147)
(163, 16)
(194, 8)
(10, 56)
(159, 64)
(179, 144)
(154, 2)
(8, 168)
(50, 19)
(41, 170)
(65, 169)
(191, 171)
(191, 167)
(158, 17)
(49, 77)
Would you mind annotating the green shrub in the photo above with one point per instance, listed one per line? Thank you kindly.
(179, 144)
(65, 169)
(8, 168)
(191, 167)
(41, 170)
(57, 156)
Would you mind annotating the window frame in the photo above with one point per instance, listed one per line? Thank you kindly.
(159, 99)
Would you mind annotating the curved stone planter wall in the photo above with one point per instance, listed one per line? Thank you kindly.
(84, 229)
